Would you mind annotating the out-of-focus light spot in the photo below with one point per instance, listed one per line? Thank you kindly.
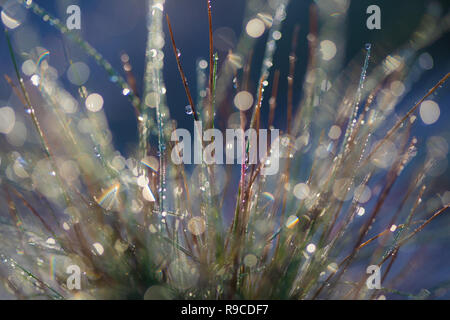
(437, 167)
(302, 141)
(224, 39)
(127, 67)
(18, 135)
(203, 64)
(152, 228)
(108, 197)
(325, 85)
(266, 18)
(120, 246)
(397, 88)
(445, 198)
(243, 100)
(276, 35)
(342, 189)
(385, 155)
(147, 194)
(51, 75)
(393, 228)
(69, 170)
(136, 206)
(328, 49)
(333, 267)
(426, 61)
(9, 22)
(142, 181)
(311, 248)
(178, 191)
(118, 163)
(126, 91)
(250, 260)
(328, 7)
(360, 212)
(12, 14)
(335, 132)
(125, 58)
(255, 28)
(158, 41)
(18, 168)
(158, 292)
(301, 191)
(196, 226)
(437, 147)
(50, 241)
(310, 37)
(78, 73)
(66, 226)
(43, 179)
(152, 99)
(291, 221)
(158, 6)
(391, 63)
(362, 194)
(35, 79)
(234, 120)
(28, 67)
(94, 102)
(7, 120)
(429, 111)
(84, 125)
(99, 248)
(235, 60)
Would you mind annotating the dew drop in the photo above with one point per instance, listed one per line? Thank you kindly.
(311, 248)
(94, 102)
(99, 248)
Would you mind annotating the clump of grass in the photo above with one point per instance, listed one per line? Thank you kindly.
(142, 227)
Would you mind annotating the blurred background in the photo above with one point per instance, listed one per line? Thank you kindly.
(115, 27)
